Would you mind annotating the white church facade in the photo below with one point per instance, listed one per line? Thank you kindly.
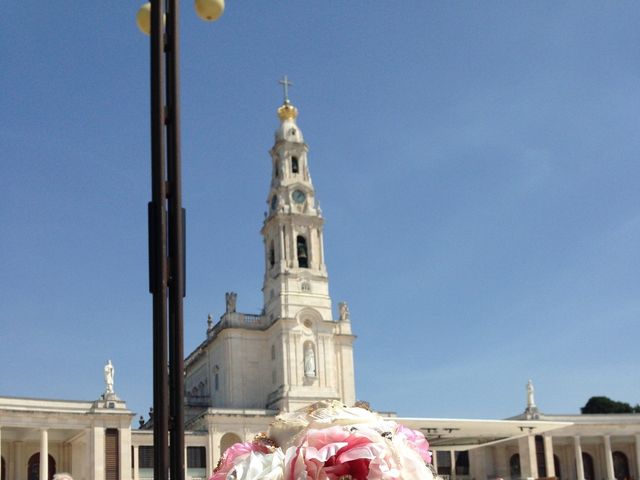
(296, 351)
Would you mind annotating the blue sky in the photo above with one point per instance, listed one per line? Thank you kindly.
(476, 163)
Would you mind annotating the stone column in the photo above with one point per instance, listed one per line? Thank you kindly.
(502, 462)
(215, 454)
(124, 436)
(579, 464)
(434, 459)
(528, 462)
(320, 248)
(186, 461)
(548, 456)
(478, 460)
(637, 456)
(293, 261)
(44, 454)
(608, 458)
(95, 453)
(452, 456)
(310, 248)
(283, 257)
(136, 463)
(18, 461)
(210, 465)
(64, 463)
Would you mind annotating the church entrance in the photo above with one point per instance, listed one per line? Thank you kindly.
(33, 467)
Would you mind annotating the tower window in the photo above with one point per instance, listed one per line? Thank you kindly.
(272, 255)
(276, 167)
(303, 255)
(294, 165)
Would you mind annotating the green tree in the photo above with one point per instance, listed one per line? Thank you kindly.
(606, 405)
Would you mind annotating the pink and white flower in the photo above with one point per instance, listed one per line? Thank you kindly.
(329, 441)
(250, 461)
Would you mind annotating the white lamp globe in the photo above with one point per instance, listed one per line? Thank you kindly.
(143, 18)
(209, 10)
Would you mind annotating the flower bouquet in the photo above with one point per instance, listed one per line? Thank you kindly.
(329, 441)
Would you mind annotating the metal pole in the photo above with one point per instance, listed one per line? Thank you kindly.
(176, 248)
(158, 246)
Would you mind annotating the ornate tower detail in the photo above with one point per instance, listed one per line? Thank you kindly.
(295, 272)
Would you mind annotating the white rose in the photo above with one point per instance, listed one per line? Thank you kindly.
(259, 466)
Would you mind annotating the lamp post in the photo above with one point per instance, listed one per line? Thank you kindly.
(160, 18)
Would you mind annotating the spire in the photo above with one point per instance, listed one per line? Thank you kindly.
(285, 86)
(287, 111)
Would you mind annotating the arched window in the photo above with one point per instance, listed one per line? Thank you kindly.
(294, 165)
(216, 381)
(33, 467)
(273, 352)
(587, 464)
(227, 440)
(303, 254)
(620, 466)
(514, 466)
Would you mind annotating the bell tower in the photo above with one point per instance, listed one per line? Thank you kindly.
(295, 272)
(311, 352)
(294, 352)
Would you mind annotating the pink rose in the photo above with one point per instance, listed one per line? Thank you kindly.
(416, 440)
(333, 452)
(233, 454)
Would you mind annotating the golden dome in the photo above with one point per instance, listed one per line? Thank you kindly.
(287, 111)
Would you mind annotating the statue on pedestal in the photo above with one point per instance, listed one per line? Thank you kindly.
(309, 361)
(531, 404)
(231, 298)
(109, 373)
(344, 310)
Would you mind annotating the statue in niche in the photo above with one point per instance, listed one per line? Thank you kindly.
(109, 373)
(231, 298)
(309, 361)
(344, 310)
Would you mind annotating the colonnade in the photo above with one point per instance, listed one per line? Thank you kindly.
(529, 465)
(82, 454)
(565, 452)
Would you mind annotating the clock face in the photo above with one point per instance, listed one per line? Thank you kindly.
(298, 196)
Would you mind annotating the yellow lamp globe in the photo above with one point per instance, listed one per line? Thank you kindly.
(209, 10)
(143, 18)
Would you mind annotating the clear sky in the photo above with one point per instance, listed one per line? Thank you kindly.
(477, 163)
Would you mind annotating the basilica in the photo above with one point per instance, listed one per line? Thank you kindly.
(297, 350)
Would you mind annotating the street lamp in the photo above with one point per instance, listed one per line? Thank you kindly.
(159, 18)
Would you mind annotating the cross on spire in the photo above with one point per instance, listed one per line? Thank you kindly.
(285, 85)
